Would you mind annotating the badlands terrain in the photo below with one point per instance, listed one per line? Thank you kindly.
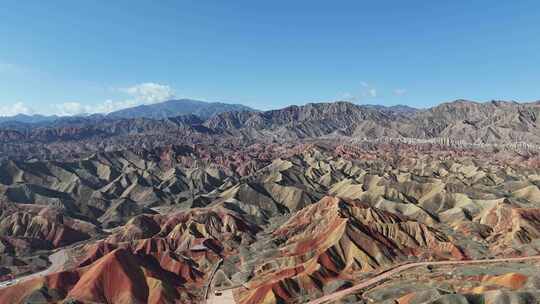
(314, 204)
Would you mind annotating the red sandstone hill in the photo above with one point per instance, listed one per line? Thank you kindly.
(335, 238)
(118, 277)
(153, 259)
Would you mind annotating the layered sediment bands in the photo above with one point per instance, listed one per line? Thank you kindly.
(54, 230)
(510, 226)
(333, 239)
(152, 259)
(118, 277)
(111, 187)
(275, 222)
(216, 228)
(27, 229)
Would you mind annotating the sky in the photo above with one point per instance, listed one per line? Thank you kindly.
(71, 57)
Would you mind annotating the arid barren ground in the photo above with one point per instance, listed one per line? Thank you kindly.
(269, 152)
(285, 216)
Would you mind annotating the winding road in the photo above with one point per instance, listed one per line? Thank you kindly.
(387, 274)
(208, 289)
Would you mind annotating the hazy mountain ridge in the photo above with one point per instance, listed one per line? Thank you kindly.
(162, 110)
(404, 109)
(496, 122)
(172, 108)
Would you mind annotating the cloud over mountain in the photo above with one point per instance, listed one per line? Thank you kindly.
(14, 109)
(149, 92)
(139, 94)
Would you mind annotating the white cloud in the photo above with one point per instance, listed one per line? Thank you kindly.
(71, 108)
(110, 105)
(144, 93)
(149, 92)
(347, 97)
(366, 91)
(14, 109)
(372, 92)
(76, 108)
(400, 92)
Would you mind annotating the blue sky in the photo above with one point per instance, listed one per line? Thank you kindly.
(68, 57)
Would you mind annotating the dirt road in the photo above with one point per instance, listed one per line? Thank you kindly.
(225, 297)
(387, 274)
(208, 289)
(57, 259)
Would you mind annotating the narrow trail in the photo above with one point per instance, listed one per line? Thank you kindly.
(387, 274)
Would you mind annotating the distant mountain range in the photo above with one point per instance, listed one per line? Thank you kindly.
(170, 108)
(166, 109)
(24, 118)
(461, 122)
(179, 107)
